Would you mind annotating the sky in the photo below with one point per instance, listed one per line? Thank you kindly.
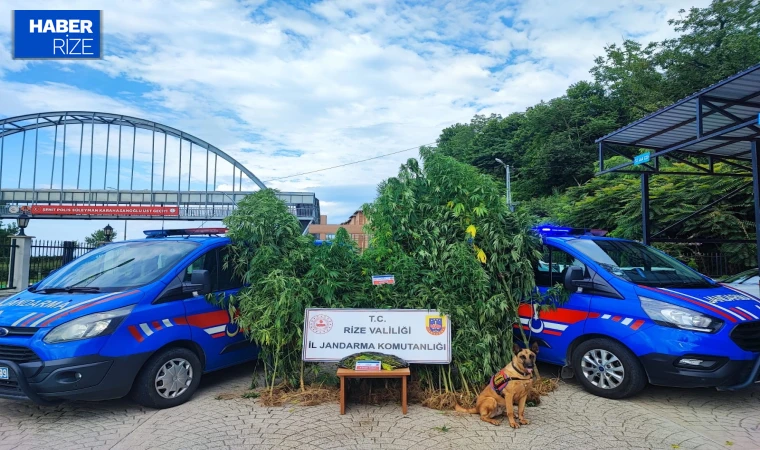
(292, 87)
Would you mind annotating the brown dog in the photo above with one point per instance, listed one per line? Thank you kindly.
(508, 387)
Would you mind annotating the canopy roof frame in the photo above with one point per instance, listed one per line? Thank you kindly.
(718, 121)
(719, 124)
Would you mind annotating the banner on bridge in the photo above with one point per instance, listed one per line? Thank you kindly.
(71, 210)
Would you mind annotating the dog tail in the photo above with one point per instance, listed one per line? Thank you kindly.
(465, 410)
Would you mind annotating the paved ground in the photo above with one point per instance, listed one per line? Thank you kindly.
(569, 418)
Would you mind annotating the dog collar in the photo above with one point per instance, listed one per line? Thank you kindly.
(516, 370)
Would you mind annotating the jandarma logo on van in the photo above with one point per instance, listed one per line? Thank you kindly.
(57, 34)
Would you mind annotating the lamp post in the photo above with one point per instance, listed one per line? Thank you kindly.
(125, 220)
(23, 222)
(108, 231)
(508, 183)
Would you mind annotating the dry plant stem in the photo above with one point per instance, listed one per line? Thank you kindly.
(274, 372)
(430, 397)
(303, 388)
(464, 383)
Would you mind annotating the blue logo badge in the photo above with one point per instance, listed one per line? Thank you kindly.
(4, 332)
(435, 325)
(57, 34)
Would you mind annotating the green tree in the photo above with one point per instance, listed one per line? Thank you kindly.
(551, 145)
(715, 43)
(7, 230)
(632, 79)
(97, 237)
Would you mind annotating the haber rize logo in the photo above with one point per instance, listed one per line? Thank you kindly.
(57, 34)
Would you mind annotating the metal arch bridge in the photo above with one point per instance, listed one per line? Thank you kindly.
(116, 166)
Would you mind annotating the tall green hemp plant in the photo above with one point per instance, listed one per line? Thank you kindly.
(460, 250)
(271, 256)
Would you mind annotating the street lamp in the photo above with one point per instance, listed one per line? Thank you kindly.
(509, 187)
(125, 220)
(23, 222)
(108, 231)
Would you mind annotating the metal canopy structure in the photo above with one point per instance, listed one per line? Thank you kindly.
(97, 159)
(721, 123)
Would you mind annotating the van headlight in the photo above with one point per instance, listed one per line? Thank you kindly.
(670, 315)
(89, 326)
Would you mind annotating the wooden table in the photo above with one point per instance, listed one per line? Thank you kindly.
(348, 373)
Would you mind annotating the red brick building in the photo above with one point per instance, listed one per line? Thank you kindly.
(354, 226)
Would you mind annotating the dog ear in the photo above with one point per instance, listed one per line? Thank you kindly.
(515, 349)
(534, 347)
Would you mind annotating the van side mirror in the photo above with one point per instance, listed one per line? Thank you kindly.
(200, 282)
(574, 278)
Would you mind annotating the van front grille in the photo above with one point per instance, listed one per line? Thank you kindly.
(17, 354)
(747, 336)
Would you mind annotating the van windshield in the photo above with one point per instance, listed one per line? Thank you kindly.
(118, 266)
(640, 264)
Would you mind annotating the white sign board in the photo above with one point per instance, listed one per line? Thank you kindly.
(415, 335)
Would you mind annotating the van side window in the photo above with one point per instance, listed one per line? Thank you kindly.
(552, 266)
(207, 261)
(227, 277)
(198, 264)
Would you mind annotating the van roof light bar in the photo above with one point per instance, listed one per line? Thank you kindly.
(553, 230)
(185, 232)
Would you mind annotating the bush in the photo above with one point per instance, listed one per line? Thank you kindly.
(444, 231)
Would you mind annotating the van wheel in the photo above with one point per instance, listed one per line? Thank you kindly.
(608, 369)
(168, 379)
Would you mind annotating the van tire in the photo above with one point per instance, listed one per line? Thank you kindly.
(172, 363)
(621, 362)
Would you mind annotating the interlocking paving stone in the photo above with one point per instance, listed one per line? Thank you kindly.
(659, 418)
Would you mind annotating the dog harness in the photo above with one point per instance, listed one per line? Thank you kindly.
(499, 381)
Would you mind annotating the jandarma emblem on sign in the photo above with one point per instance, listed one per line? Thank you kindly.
(57, 34)
(435, 325)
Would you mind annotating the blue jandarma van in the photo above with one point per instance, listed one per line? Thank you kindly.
(127, 318)
(636, 315)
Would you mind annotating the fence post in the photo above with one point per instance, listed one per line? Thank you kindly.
(11, 262)
(22, 261)
(68, 252)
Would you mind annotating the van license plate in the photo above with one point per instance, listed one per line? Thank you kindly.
(3, 373)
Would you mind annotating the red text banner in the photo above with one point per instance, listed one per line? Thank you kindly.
(71, 210)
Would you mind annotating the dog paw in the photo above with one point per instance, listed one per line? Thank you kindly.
(514, 424)
(524, 421)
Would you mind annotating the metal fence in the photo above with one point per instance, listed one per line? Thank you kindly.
(50, 255)
(717, 265)
(7, 256)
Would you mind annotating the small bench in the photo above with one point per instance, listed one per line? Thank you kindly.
(349, 373)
